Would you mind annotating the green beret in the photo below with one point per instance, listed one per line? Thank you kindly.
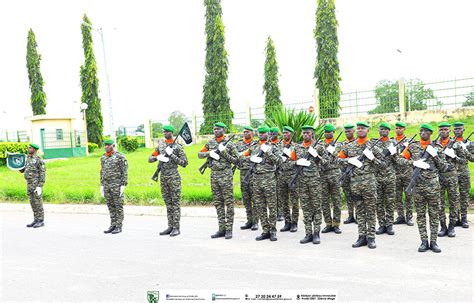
(444, 124)
(348, 126)
(220, 124)
(361, 123)
(168, 128)
(263, 129)
(329, 128)
(289, 129)
(108, 142)
(385, 125)
(427, 126)
(35, 146)
(400, 124)
(274, 129)
(250, 128)
(458, 124)
(306, 127)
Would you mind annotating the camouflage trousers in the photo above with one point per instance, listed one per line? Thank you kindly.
(346, 187)
(331, 197)
(464, 180)
(171, 193)
(403, 211)
(263, 190)
(222, 186)
(36, 202)
(426, 198)
(364, 195)
(309, 193)
(448, 185)
(114, 203)
(288, 198)
(247, 200)
(386, 191)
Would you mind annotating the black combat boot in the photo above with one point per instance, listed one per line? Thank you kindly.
(32, 223)
(263, 236)
(464, 222)
(286, 227)
(316, 238)
(349, 220)
(451, 231)
(175, 232)
(38, 224)
(308, 238)
(117, 230)
(410, 222)
(166, 231)
(218, 234)
(273, 236)
(327, 229)
(458, 222)
(362, 241)
(423, 246)
(108, 231)
(371, 243)
(337, 230)
(280, 217)
(247, 225)
(228, 234)
(434, 247)
(294, 227)
(381, 230)
(443, 231)
(254, 226)
(390, 230)
(399, 220)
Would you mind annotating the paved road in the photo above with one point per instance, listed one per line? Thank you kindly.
(72, 260)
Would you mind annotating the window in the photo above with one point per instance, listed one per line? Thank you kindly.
(59, 134)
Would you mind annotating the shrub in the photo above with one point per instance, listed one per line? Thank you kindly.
(129, 144)
(12, 147)
(92, 147)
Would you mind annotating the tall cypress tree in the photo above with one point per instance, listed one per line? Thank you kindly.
(90, 85)
(38, 96)
(216, 101)
(327, 66)
(270, 87)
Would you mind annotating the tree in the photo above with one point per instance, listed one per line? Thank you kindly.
(326, 72)
(177, 120)
(90, 86)
(469, 100)
(157, 129)
(216, 101)
(270, 86)
(33, 59)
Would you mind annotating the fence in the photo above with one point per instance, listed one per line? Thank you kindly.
(63, 144)
(14, 136)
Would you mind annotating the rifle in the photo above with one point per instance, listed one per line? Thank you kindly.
(253, 165)
(350, 168)
(209, 160)
(467, 139)
(160, 165)
(333, 142)
(299, 169)
(386, 152)
(284, 155)
(417, 170)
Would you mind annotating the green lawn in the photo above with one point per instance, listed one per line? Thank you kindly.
(77, 180)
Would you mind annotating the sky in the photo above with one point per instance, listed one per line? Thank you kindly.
(155, 51)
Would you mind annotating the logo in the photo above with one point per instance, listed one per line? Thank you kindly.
(153, 296)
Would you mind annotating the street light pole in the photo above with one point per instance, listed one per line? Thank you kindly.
(83, 108)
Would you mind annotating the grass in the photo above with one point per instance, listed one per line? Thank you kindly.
(77, 180)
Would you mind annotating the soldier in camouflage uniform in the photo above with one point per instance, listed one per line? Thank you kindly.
(35, 176)
(170, 154)
(386, 189)
(308, 157)
(265, 159)
(349, 132)
(330, 184)
(222, 156)
(242, 145)
(454, 155)
(113, 180)
(403, 177)
(287, 196)
(366, 159)
(274, 131)
(464, 176)
(425, 156)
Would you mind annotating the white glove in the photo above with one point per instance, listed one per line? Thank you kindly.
(221, 147)
(38, 191)
(256, 159)
(102, 192)
(264, 147)
(313, 152)
(214, 155)
(331, 149)
(421, 164)
(432, 151)
(287, 151)
(284, 158)
(450, 152)
(122, 190)
(163, 158)
(392, 149)
(303, 162)
(354, 161)
(169, 150)
(369, 154)
(464, 145)
(405, 144)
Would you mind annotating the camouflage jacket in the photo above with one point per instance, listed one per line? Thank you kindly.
(114, 169)
(241, 147)
(453, 164)
(285, 149)
(301, 152)
(400, 169)
(415, 151)
(228, 157)
(178, 157)
(35, 170)
(332, 163)
(356, 149)
(271, 159)
(389, 160)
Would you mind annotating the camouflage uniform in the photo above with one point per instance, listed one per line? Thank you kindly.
(286, 195)
(346, 186)
(403, 177)
(331, 187)
(222, 181)
(170, 180)
(245, 187)
(113, 174)
(35, 176)
(464, 180)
